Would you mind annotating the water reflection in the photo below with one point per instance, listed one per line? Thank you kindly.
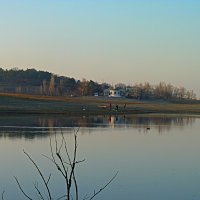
(40, 126)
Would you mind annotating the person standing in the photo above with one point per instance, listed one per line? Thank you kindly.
(117, 107)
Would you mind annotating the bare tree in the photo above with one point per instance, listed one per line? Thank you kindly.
(61, 87)
(181, 92)
(52, 85)
(65, 164)
(190, 95)
(44, 87)
(83, 88)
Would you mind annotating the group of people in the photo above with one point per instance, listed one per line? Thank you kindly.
(116, 107)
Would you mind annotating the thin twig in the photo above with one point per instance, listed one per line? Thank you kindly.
(64, 168)
(20, 187)
(86, 197)
(2, 195)
(73, 166)
(54, 160)
(40, 173)
(60, 146)
(38, 191)
(49, 179)
(100, 190)
(80, 161)
(64, 196)
(66, 149)
(60, 159)
(76, 185)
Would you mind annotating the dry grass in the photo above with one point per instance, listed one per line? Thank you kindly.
(82, 100)
(24, 103)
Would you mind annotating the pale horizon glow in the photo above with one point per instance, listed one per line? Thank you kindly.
(106, 41)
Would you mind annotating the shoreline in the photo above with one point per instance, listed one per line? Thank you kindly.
(23, 104)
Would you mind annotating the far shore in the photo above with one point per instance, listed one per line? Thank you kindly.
(35, 104)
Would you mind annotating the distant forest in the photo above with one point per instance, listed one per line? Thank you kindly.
(31, 81)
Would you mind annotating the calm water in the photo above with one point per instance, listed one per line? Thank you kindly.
(162, 162)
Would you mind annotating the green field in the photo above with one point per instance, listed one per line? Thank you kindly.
(35, 104)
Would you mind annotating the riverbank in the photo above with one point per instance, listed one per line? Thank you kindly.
(35, 104)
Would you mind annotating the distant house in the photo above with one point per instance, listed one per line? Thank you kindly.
(112, 93)
(106, 92)
(115, 93)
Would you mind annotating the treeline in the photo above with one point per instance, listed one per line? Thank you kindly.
(32, 81)
(163, 91)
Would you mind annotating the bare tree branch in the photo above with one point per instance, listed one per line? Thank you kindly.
(20, 187)
(40, 173)
(72, 164)
(38, 191)
(66, 168)
(53, 157)
(64, 196)
(101, 189)
(2, 195)
(86, 197)
(49, 179)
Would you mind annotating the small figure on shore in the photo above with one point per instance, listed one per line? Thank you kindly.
(124, 105)
(117, 107)
(110, 106)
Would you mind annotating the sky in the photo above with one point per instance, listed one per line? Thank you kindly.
(113, 41)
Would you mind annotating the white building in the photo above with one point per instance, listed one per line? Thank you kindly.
(115, 93)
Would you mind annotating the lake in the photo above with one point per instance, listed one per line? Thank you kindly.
(157, 156)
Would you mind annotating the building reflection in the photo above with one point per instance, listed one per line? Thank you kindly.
(41, 126)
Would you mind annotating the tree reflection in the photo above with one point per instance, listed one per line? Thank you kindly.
(41, 126)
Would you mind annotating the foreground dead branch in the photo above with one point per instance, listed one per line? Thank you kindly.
(66, 165)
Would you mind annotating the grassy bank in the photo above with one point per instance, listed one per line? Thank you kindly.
(34, 104)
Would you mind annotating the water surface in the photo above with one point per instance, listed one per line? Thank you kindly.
(157, 156)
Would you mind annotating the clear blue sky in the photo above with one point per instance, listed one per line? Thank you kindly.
(104, 40)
